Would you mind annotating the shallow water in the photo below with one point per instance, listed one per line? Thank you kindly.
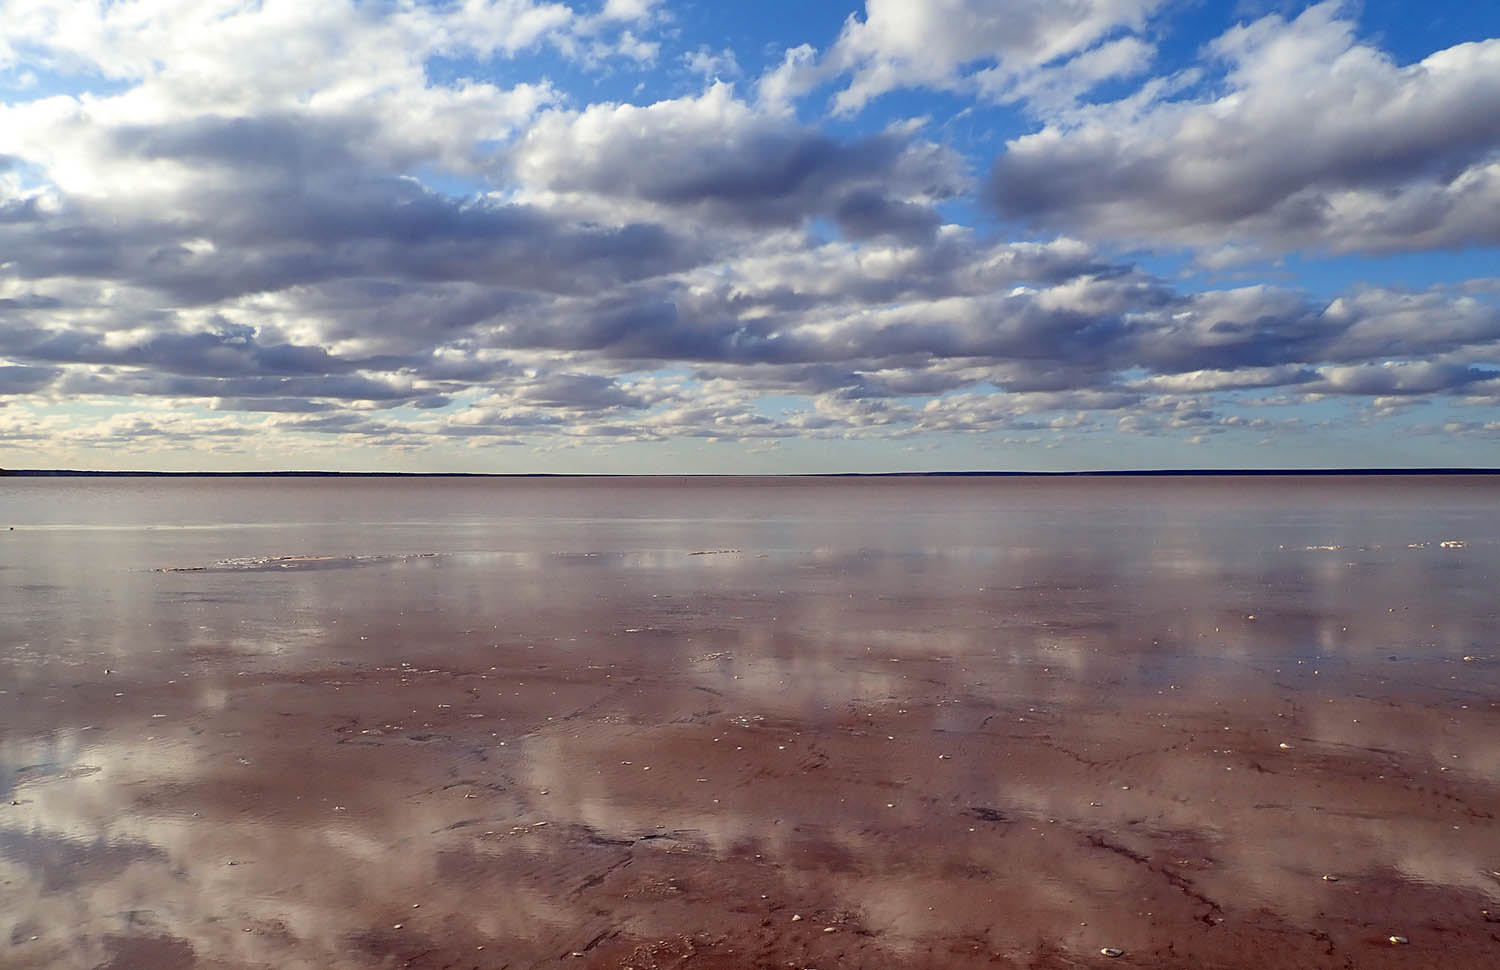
(252, 722)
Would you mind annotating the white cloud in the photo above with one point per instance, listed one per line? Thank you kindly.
(981, 44)
(288, 47)
(798, 73)
(256, 236)
(629, 9)
(633, 47)
(1313, 140)
(329, 65)
(712, 65)
(1059, 87)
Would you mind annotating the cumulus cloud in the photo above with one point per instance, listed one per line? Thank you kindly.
(391, 230)
(712, 65)
(1313, 140)
(979, 45)
(1403, 378)
(717, 158)
(313, 44)
(328, 240)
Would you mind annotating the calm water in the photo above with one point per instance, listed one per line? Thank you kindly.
(1143, 561)
(179, 659)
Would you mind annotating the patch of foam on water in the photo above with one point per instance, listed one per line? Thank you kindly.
(272, 563)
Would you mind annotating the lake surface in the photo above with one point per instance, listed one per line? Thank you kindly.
(331, 723)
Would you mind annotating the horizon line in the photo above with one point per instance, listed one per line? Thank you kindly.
(1083, 473)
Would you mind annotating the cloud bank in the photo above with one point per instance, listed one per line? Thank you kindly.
(253, 229)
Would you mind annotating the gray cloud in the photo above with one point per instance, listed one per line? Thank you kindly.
(281, 405)
(328, 229)
(866, 214)
(280, 147)
(718, 159)
(1403, 378)
(24, 379)
(228, 352)
(592, 392)
(351, 388)
(300, 266)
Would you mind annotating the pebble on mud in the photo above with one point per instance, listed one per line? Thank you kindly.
(1112, 951)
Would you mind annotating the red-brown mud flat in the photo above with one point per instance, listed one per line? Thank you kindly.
(814, 751)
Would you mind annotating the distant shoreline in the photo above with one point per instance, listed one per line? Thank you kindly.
(1103, 473)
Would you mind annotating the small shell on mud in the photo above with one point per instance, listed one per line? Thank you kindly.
(1112, 951)
(1330, 878)
(1398, 940)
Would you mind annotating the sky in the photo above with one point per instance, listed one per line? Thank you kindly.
(682, 236)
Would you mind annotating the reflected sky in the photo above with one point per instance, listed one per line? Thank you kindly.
(252, 723)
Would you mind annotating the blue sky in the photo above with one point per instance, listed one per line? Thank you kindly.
(646, 236)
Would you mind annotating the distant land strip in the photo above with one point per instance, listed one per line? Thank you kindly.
(1097, 473)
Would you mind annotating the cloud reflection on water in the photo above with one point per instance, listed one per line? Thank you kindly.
(1097, 689)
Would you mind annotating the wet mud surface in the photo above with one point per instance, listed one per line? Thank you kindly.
(921, 727)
